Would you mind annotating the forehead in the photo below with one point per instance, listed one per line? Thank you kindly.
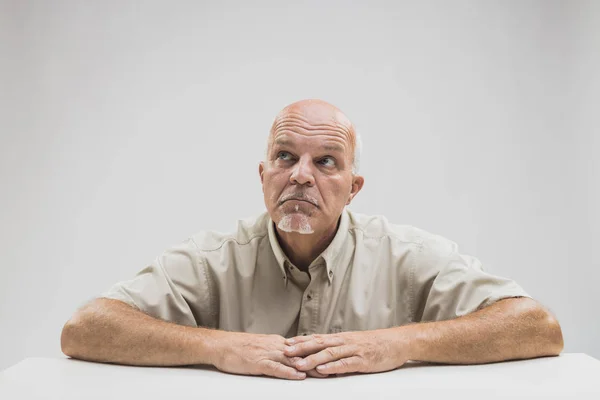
(287, 139)
(315, 113)
(325, 127)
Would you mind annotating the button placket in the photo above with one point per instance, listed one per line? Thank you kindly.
(308, 310)
(314, 303)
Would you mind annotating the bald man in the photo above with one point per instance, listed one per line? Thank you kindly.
(309, 287)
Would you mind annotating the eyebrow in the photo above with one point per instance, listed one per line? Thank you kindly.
(333, 147)
(328, 147)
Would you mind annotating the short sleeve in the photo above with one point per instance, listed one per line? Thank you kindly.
(172, 288)
(448, 284)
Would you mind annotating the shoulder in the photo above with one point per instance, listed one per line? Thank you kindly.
(247, 231)
(378, 226)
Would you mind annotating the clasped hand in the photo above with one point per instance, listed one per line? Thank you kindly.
(314, 355)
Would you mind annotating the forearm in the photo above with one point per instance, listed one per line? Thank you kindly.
(111, 331)
(509, 329)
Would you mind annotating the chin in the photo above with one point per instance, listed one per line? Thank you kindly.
(296, 222)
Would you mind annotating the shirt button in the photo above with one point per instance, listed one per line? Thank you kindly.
(309, 297)
(331, 274)
(304, 334)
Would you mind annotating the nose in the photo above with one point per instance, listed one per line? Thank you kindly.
(302, 174)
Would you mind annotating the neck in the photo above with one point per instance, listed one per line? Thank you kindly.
(303, 249)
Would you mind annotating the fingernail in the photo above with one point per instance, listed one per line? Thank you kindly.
(301, 363)
(321, 368)
(290, 341)
(289, 349)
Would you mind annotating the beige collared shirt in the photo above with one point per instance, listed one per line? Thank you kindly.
(373, 275)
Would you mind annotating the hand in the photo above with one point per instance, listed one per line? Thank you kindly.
(253, 354)
(366, 351)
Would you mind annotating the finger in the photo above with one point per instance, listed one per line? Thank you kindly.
(297, 339)
(278, 370)
(291, 362)
(341, 366)
(316, 374)
(313, 345)
(324, 356)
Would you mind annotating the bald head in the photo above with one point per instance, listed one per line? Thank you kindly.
(314, 115)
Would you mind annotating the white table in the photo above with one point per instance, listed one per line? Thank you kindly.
(569, 376)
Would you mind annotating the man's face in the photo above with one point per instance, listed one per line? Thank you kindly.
(307, 176)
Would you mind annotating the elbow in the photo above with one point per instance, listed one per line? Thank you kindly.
(73, 333)
(68, 339)
(85, 332)
(555, 336)
(546, 331)
(541, 329)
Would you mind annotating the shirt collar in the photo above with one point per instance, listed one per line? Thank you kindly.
(329, 255)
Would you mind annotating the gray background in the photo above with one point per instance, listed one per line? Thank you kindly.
(128, 126)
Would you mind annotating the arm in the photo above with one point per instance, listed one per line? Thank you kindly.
(508, 329)
(108, 330)
(111, 331)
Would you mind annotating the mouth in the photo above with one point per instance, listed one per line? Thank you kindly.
(304, 201)
(301, 200)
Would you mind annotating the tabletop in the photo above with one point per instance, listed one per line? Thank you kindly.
(569, 376)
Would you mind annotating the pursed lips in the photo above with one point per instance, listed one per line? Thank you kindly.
(306, 201)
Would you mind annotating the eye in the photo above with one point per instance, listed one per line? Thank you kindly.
(327, 161)
(284, 155)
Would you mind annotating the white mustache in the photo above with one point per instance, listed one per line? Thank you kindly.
(299, 196)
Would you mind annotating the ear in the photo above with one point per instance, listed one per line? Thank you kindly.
(261, 170)
(357, 184)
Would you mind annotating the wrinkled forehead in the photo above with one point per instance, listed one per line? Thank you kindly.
(312, 117)
(314, 112)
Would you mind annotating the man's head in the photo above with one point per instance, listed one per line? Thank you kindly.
(310, 170)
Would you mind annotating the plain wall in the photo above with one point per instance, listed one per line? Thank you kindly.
(128, 126)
